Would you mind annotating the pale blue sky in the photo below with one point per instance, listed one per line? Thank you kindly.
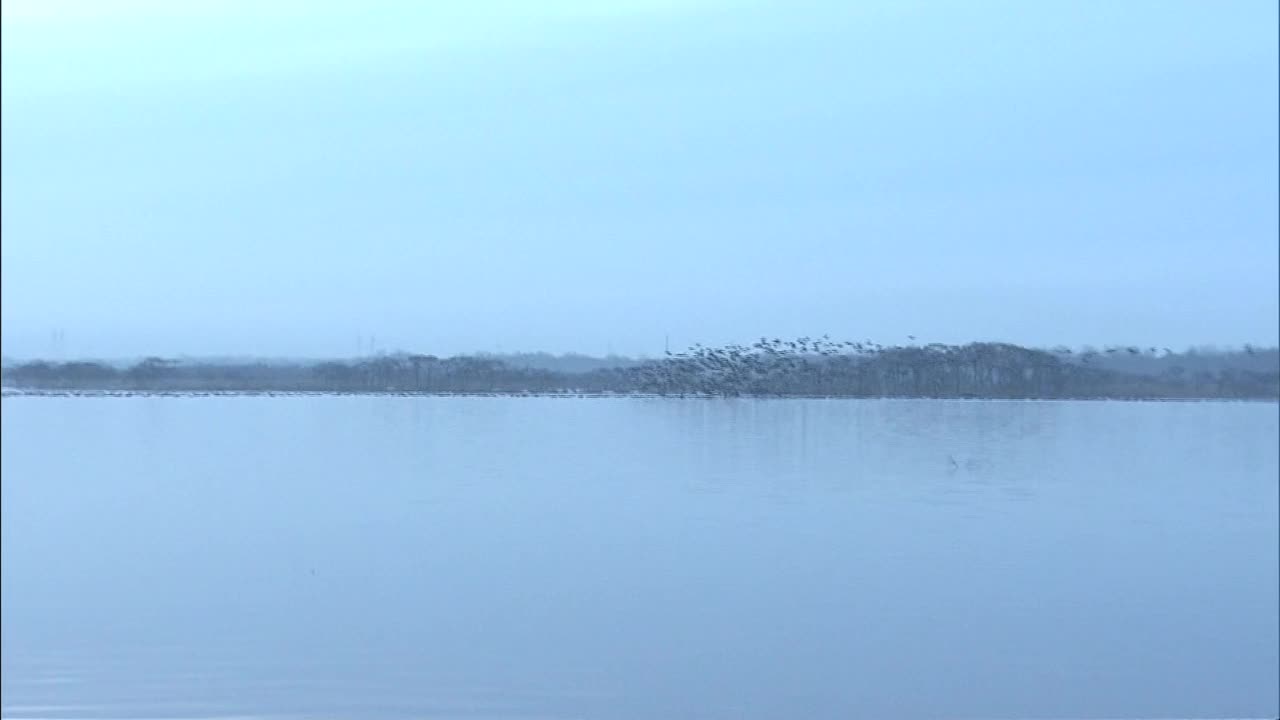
(282, 178)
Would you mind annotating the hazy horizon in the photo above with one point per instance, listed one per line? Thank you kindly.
(1206, 350)
(295, 179)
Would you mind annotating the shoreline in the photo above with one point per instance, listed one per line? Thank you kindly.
(8, 393)
(801, 368)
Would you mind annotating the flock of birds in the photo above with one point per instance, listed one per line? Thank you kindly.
(751, 369)
(756, 368)
(1090, 355)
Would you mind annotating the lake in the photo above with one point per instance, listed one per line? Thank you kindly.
(432, 557)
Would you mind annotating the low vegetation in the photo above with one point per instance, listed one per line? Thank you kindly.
(805, 367)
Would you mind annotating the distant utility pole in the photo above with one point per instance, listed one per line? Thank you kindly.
(57, 343)
(666, 343)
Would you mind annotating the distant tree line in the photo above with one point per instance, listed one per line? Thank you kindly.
(822, 367)
(804, 367)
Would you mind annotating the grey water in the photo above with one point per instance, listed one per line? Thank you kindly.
(380, 557)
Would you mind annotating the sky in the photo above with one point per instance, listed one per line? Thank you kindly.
(318, 178)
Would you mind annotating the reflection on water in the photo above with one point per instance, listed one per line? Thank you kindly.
(637, 558)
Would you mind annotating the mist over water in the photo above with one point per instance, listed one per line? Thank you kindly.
(394, 557)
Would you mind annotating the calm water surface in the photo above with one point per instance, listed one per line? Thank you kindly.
(561, 558)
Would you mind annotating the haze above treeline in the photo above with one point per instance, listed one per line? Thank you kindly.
(1119, 357)
(289, 179)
